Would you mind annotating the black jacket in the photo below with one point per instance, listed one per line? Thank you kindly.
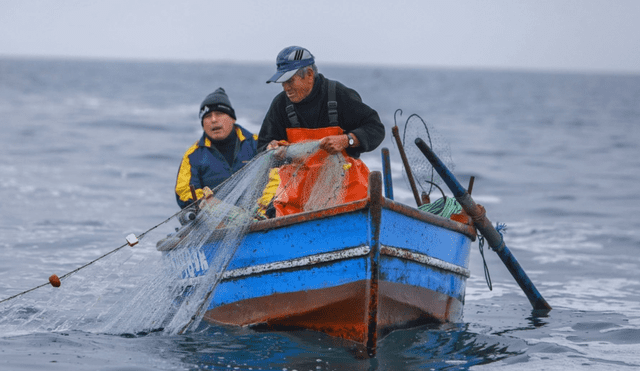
(353, 117)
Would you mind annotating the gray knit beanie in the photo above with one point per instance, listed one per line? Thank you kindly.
(217, 101)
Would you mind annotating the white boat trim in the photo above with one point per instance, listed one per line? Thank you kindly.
(298, 262)
(424, 259)
(346, 254)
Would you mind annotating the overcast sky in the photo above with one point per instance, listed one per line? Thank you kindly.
(561, 35)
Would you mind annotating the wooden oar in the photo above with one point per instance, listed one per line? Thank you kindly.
(483, 224)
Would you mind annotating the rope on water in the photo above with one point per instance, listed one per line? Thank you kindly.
(256, 158)
(95, 260)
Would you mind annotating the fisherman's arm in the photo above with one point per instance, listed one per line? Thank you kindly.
(360, 120)
(336, 143)
(273, 128)
(187, 176)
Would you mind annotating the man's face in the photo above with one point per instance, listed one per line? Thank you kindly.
(297, 88)
(217, 125)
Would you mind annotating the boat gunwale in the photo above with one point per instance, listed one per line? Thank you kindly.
(359, 205)
(466, 229)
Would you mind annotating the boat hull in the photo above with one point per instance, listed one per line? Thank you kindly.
(340, 311)
(357, 271)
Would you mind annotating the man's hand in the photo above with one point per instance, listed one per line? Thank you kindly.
(277, 143)
(281, 150)
(207, 200)
(334, 143)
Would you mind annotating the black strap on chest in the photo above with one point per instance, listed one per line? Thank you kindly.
(291, 114)
(332, 105)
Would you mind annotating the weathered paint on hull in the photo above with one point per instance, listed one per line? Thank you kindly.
(340, 311)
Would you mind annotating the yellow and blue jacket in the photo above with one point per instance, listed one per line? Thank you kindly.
(204, 166)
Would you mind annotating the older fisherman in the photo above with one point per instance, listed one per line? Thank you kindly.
(312, 107)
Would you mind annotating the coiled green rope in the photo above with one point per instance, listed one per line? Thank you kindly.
(444, 207)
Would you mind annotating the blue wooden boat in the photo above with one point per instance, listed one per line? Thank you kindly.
(355, 271)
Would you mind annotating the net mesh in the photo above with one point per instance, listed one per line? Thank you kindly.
(138, 289)
(423, 173)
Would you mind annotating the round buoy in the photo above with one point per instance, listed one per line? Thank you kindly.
(54, 280)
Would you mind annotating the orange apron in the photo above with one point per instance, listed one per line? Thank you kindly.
(297, 180)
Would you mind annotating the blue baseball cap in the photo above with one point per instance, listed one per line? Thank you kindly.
(289, 61)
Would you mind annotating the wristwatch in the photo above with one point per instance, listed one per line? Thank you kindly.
(351, 140)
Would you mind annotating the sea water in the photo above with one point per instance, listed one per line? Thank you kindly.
(90, 152)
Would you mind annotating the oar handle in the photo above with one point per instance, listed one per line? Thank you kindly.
(483, 224)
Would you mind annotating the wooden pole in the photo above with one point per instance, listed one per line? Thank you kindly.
(403, 156)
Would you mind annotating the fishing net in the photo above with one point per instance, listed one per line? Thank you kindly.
(426, 178)
(138, 289)
(328, 191)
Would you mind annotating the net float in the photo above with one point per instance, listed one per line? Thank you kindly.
(54, 280)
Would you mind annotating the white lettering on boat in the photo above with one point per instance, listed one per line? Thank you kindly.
(191, 263)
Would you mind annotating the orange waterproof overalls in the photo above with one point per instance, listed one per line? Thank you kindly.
(297, 180)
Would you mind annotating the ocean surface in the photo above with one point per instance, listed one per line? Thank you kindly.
(89, 154)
